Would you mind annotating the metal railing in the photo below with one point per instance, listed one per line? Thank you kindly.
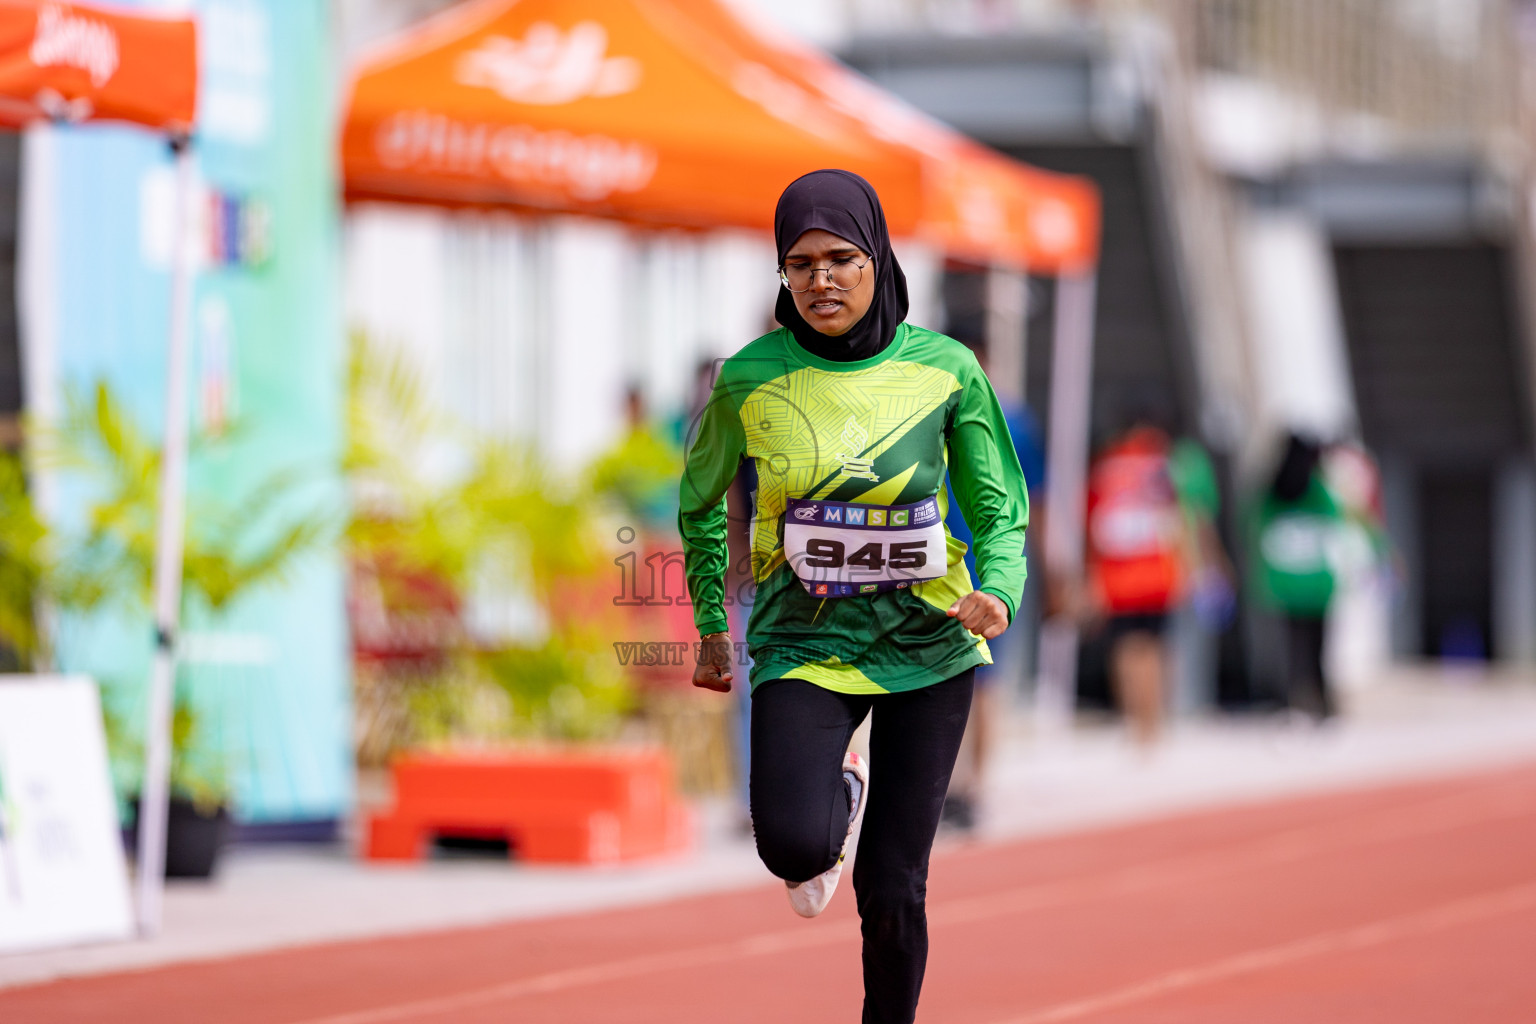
(1425, 72)
(1450, 78)
(1200, 207)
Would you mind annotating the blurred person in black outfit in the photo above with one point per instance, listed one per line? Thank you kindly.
(1294, 531)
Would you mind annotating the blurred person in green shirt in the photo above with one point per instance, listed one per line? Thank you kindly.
(1294, 530)
(639, 472)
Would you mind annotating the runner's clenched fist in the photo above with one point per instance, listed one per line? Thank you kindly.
(981, 613)
(713, 668)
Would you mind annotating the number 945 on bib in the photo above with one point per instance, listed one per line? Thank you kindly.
(840, 549)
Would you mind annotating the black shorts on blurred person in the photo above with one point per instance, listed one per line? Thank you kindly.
(1117, 626)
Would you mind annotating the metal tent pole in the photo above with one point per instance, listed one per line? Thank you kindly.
(169, 537)
(1071, 397)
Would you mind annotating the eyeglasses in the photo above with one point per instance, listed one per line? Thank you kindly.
(844, 274)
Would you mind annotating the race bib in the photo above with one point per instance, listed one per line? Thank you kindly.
(1132, 530)
(838, 549)
(1299, 543)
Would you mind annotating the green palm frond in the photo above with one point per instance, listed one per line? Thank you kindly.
(22, 554)
(221, 578)
(500, 521)
(231, 545)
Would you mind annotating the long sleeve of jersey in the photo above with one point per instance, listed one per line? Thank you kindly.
(988, 483)
(701, 518)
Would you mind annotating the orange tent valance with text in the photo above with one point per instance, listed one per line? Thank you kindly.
(668, 112)
(77, 62)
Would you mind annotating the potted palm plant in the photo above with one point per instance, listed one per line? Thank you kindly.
(490, 723)
(234, 545)
(442, 516)
(200, 794)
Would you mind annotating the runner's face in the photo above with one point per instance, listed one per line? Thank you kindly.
(825, 308)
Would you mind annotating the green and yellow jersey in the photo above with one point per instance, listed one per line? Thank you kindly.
(878, 431)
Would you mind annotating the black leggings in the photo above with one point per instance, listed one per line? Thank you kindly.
(800, 810)
(1307, 682)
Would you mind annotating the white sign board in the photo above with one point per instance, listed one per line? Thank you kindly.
(63, 878)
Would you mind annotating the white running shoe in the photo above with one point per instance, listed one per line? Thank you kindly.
(811, 897)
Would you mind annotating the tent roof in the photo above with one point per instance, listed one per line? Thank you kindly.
(670, 112)
(78, 62)
(977, 202)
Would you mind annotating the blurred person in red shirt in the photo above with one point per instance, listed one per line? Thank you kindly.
(1151, 541)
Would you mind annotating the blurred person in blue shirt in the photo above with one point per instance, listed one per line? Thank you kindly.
(966, 782)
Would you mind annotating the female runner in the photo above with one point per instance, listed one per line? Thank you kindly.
(850, 418)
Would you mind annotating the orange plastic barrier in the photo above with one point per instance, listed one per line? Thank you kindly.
(587, 807)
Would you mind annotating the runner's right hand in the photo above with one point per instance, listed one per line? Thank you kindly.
(713, 668)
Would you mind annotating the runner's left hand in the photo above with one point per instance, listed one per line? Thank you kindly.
(981, 613)
(713, 668)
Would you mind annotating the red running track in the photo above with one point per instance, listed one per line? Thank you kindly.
(1410, 905)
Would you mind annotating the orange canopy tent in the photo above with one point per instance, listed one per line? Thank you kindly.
(977, 203)
(66, 61)
(674, 113)
(592, 106)
(73, 62)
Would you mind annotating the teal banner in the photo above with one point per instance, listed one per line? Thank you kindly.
(269, 676)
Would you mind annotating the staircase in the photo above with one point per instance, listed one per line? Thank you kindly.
(1435, 352)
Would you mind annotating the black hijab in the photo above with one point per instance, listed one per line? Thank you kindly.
(1297, 465)
(846, 205)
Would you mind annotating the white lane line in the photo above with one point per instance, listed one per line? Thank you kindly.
(1441, 814)
(616, 970)
(1423, 922)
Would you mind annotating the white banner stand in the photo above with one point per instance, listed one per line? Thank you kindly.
(63, 877)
